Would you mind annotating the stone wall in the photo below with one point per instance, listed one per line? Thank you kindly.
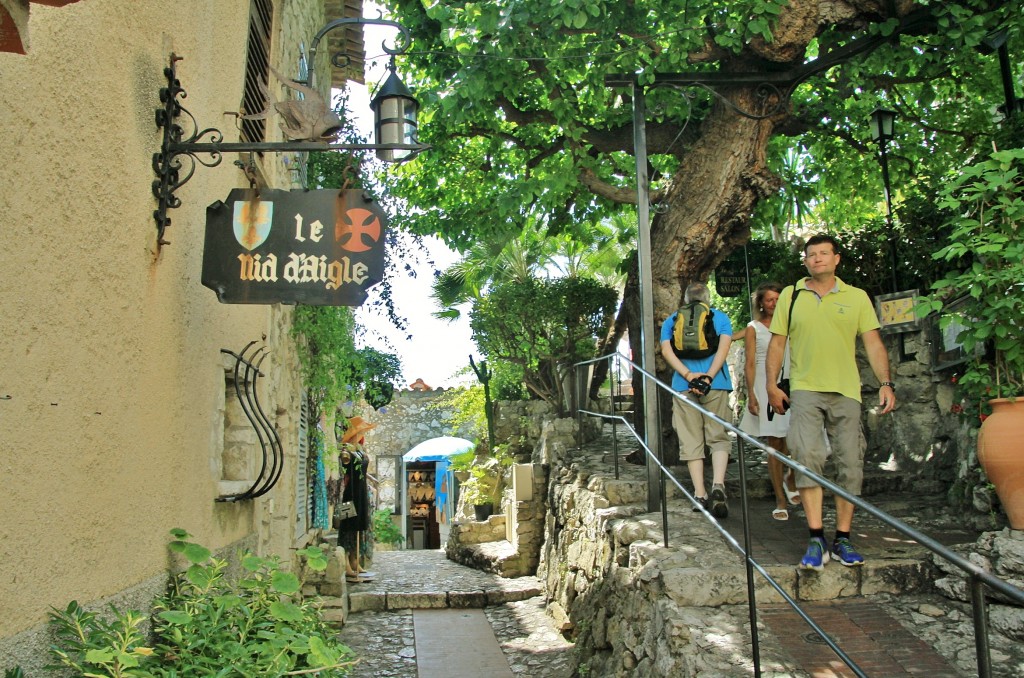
(508, 544)
(411, 418)
(593, 565)
(519, 423)
(931, 447)
(638, 608)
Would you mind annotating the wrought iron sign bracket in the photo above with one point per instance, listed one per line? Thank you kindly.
(171, 173)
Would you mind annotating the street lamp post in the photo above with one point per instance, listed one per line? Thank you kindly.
(648, 338)
(882, 124)
(996, 42)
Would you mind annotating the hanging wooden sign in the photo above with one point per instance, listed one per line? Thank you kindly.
(320, 248)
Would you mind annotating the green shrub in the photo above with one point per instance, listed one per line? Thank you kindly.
(384, 529)
(207, 625)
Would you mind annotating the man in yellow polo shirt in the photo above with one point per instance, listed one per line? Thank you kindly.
(827, 317)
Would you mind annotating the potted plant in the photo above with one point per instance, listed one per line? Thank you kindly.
(478, 490)
(986, 242)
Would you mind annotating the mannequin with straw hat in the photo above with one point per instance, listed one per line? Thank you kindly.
(356, 490)
(356, 430)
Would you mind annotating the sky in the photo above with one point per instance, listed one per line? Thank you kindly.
(438, 348)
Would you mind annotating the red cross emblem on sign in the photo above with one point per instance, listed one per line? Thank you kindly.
(355, 227)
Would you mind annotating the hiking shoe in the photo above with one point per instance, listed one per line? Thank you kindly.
(816, 556)
(703, 501)
(719, 504)
(843, 551)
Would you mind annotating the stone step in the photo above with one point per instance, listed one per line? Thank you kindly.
(426, 579)
(378, 601)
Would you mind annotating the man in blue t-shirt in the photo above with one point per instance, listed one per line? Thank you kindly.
(696, 430)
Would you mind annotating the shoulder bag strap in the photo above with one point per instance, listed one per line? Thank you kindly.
(789, 319)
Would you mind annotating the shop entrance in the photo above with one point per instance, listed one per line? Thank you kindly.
(428, 491)
(424, 528)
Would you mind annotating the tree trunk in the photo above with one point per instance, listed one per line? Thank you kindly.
(706, 215)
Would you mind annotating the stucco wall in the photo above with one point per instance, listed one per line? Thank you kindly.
(112, 389)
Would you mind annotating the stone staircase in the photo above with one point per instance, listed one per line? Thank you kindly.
(699, 567)
(623, 405)
(634, 603)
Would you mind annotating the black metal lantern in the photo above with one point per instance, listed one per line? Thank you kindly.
(883, 123)
(394, 118)
(996, 42)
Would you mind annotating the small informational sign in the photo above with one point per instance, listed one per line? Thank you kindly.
(731, 275)
(320, 248)
(896, 312)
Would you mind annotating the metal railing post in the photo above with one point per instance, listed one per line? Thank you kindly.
(980, 614)
(613, 371)
(748, 558)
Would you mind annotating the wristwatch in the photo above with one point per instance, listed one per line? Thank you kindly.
(890, 385)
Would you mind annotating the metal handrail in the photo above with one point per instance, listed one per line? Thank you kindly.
(977, 576)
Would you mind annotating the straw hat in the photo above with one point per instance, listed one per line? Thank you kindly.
(357, 427)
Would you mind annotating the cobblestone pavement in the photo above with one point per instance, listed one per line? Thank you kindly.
(383, 642)
(533, 646)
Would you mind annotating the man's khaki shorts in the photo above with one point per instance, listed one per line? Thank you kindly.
(696, 430)
(840, 417)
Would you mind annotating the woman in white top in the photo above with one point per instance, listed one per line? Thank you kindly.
(755, 420)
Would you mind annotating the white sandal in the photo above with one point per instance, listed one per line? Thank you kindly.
(792, 495)
(780, 514)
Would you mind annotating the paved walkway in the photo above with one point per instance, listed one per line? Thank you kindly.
(515, 635)
(887, 635)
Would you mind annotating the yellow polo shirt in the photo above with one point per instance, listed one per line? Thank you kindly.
(823, 339)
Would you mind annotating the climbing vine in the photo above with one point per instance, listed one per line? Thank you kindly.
(334, 370)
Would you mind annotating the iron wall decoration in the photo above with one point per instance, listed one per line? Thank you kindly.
(246, 372)
(319, 248)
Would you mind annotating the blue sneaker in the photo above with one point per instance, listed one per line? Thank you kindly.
(816, 556)
(843, 551)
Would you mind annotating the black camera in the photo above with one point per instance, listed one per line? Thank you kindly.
(701, 384)
(771, 410)
(784, 387)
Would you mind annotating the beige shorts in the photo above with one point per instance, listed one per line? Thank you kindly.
(696, 430)
(840, 417)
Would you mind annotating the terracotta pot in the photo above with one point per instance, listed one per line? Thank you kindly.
(1001, 453)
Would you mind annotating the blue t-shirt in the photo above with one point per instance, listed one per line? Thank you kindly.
(722, 380)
